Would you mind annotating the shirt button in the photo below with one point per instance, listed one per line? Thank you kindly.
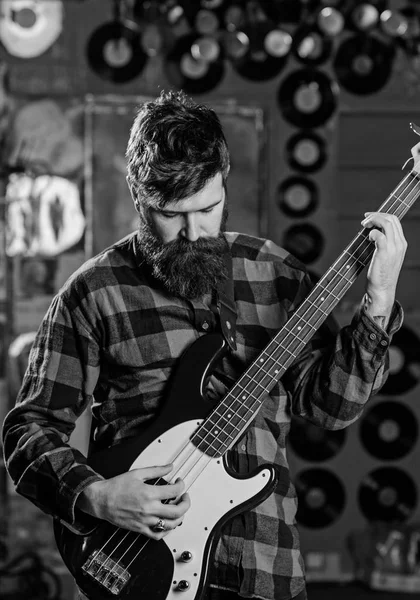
(243, 447)
(384, 343)
(205, 325)
(372, 336)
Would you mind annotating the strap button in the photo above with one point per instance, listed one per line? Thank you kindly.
(205, 326)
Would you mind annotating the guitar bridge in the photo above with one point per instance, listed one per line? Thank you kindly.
(106, 571)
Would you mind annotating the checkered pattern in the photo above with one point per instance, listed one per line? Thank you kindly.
(113, 336)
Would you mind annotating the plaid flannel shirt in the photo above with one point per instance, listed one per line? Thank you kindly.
(112, 336)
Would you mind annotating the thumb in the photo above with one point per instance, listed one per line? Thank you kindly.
(375, 235)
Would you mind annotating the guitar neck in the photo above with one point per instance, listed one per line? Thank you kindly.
(233, 414)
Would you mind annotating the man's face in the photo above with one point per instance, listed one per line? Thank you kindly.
(183, 243)
(198, 216)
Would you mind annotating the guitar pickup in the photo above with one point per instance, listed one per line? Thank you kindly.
(107, 572)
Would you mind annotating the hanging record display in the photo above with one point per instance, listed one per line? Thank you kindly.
(306, 151)
(304, 241)
(115, 53)
(389, 430)
(313, 443)
(321, 498)
(387, 494)
(193, 75)
(363, 64)
(297, 196)
(307, 98)
(404, 363)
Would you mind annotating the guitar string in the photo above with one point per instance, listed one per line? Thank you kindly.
(347, 285)
(251, 378)
(349, 282)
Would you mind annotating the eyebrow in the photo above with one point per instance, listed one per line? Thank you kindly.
(181, 212)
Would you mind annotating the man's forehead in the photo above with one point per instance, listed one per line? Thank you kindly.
(203, 199)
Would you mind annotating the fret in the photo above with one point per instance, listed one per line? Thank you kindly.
(236, 410)
(257, 382)
(402, 201)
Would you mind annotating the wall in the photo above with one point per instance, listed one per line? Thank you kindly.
(368, 142)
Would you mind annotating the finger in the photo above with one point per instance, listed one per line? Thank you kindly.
(174, 511)
(170, 490)
(153, 472)
(399, 234)
(378, 237)
(385, 223)
(168, 523)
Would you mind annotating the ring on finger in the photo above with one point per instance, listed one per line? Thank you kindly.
(160, 525)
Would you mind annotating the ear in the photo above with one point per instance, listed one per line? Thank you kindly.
(133, 194)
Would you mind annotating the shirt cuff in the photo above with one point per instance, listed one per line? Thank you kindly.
(73, 483)
(371, 336)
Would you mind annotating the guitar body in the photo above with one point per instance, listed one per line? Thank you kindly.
(114, 563)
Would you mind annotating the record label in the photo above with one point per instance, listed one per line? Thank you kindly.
(389, 430)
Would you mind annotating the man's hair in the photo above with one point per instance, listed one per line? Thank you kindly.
(175, 147)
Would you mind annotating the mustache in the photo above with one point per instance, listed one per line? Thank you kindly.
(190, 249)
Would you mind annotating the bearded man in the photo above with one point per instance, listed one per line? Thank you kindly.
(114, 335)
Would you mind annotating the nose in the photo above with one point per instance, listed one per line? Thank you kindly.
(191, 229)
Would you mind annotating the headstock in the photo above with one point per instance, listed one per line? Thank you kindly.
(415, 150)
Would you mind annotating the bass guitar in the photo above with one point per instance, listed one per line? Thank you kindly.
(115, 563)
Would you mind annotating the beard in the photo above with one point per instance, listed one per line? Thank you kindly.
(188, 270)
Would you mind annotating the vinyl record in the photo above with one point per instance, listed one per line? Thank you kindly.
(363, 64)
(191, 75)
(306, 151)
(115, 53)
(389, 430)
(30, 27)
(387, 494)
(313, 443)
(321, 498)
(404, 362)
(297, 196)
(310, 46)
(307, 98)
(257, 64)
(304, 241)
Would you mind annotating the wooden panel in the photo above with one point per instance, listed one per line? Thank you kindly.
(382, 139)
(365, 190)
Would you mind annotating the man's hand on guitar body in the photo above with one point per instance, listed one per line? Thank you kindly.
(386, 263)
(128, 501)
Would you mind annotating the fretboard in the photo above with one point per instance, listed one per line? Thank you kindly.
(228, 420)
